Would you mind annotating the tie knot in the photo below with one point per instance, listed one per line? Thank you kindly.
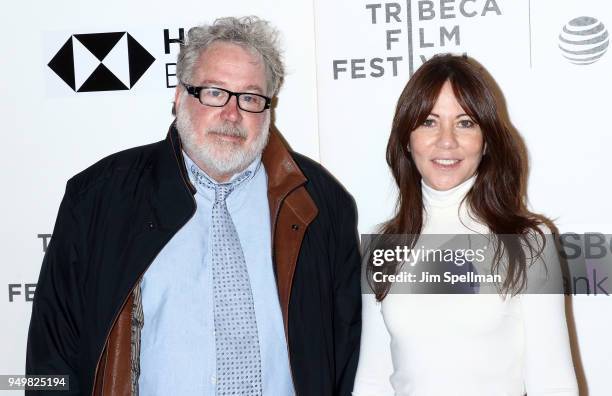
(222, 191)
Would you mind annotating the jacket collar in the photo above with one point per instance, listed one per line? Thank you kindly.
(172, 195)
(283, 173)
(174, 141)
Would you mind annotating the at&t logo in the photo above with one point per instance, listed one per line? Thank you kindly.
(583, 40)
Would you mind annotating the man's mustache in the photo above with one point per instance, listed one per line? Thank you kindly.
(228, 130)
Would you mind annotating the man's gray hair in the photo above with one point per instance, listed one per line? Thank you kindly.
(249, 32)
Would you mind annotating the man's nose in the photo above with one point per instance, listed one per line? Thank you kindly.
(231, 111)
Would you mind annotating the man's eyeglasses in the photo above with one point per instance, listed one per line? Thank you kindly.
(218, 97)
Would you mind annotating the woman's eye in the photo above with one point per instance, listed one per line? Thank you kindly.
(429, 122)
(466, 124)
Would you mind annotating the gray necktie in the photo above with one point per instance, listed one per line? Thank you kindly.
(236, 339)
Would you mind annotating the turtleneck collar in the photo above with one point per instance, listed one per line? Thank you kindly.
(447, 198)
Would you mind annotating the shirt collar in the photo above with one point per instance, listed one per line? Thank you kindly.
(196, 174)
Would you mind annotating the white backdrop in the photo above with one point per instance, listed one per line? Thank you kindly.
(347, 61)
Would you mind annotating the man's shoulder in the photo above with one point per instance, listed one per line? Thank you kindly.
(313, 170)
(131, 160)
(321, 182)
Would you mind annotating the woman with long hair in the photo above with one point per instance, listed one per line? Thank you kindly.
(460, 168)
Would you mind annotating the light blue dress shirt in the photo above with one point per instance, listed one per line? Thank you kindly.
(178, 343)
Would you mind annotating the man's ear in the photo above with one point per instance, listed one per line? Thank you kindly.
(178, 93)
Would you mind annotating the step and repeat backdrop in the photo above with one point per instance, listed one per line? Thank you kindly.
(81, 80)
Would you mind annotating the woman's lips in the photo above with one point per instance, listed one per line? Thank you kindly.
(446, 163)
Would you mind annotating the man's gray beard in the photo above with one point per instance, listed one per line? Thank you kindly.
(220, 158)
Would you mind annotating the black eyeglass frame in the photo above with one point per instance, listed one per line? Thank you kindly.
(195, 92)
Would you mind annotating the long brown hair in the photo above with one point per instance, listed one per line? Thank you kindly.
(498, 196)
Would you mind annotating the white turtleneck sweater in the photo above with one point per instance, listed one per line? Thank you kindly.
(454, 345)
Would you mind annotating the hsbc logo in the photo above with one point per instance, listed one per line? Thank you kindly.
(101, 62)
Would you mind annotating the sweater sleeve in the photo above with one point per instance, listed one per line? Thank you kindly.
(375, 364)
(548, 359)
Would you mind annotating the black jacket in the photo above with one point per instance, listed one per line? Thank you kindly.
(118, 214)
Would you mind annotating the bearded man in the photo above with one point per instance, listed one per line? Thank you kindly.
(214, 262)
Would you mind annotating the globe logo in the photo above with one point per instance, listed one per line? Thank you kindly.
(584, 40)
